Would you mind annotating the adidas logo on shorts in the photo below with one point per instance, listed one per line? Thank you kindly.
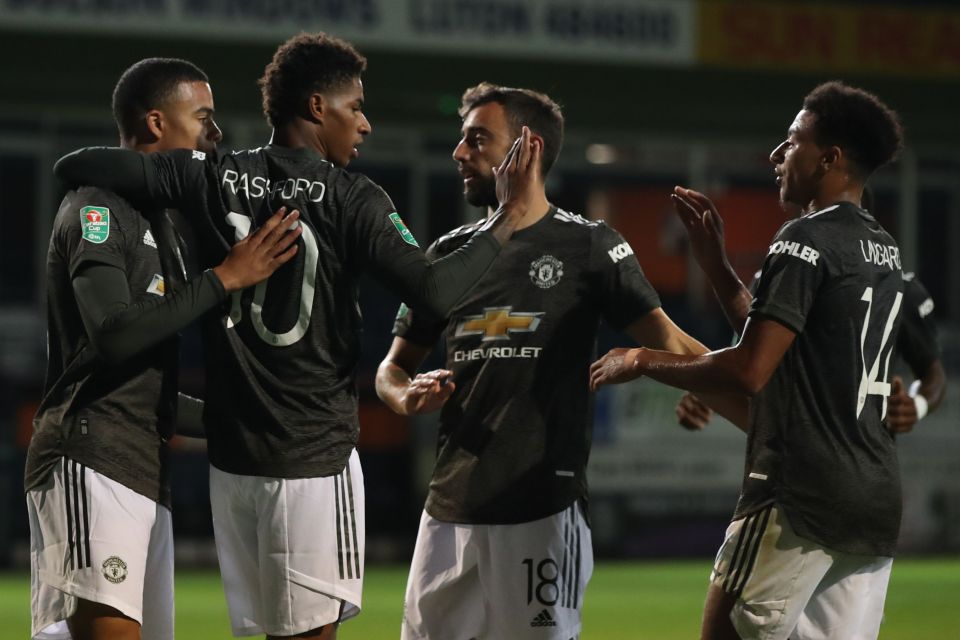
(543, 619)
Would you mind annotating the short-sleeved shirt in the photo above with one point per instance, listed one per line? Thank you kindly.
(281, 398)
(917, 341)
(515, 435)
(116, 419)
(817, 444)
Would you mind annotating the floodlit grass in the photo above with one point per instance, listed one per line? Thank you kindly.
(629, 601)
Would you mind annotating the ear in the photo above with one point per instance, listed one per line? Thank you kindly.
(315, 107)
(155, 123)
(831, 156)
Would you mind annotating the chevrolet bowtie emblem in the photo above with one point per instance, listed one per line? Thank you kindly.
(497, 323)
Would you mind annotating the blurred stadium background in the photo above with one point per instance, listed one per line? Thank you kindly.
(655, 93)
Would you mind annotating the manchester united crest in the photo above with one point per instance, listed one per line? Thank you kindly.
(546, 271)
(114, 569)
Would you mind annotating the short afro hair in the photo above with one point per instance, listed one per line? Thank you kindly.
(149, 84)
(522, 107)
(305, 64)
(868, 131)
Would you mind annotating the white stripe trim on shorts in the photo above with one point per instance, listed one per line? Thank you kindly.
(78, 515)
(746, 551)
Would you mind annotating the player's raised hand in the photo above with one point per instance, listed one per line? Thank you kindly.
(901, 409)
(519, 173)
(262, 252)
(704, 227)
(617, 366)
(428, 392)
(693, 414)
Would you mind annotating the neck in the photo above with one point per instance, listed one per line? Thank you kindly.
(841, 189)
(298, 134)
(537, 207)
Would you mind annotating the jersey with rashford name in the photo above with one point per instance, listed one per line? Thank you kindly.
(281, 398)
(515, 435)
(817, 445)
(114, 419)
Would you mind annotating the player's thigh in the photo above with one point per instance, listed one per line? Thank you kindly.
(534, 575)
(91, 539)
(443, 598)
(849, 601)
(311, 538)
(233, 506)
(770, 572)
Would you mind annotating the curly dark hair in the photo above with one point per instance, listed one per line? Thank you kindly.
(305, 64)
(868, 131)
(149, 84)
(523, 107)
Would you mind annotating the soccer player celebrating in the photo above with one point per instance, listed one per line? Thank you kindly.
(809, 551)
(97, 474)
(286, 486)
(504, 547)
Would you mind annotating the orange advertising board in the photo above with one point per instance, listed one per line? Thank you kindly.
(829, 38)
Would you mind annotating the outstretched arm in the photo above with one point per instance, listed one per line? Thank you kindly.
(123, 171)
(656, 330)
(743, 369)
(705, 229)
(405, 391)
(118, 328)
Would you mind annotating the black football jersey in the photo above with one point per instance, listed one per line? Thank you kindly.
(515, 435)
(281, 399)
(817, 444)
(115, 419)
(917, 341)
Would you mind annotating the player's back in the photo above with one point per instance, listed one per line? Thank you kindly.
(818, 445)
(281, 399)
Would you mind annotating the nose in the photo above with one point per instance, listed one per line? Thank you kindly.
(365, 127)
(460, 151)
(214, 134)
(776, 156)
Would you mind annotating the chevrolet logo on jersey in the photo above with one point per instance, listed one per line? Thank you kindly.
(497, 323)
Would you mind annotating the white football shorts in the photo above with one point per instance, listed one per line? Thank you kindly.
(518, 581)
(290, 549)
(93, 538)
(790, 587)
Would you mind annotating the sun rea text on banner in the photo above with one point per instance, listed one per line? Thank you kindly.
(821, 37)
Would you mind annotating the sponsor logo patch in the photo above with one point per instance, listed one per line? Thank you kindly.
(156, 285)
(620, 252)
(198, 155)
(497, 323)
(114, 569)
(95, 224)
(148, 239)
(543, 619)
(402, 228)
(546, 271)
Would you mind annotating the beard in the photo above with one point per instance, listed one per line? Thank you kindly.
(482, 193)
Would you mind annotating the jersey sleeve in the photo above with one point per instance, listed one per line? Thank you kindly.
(168, 179)
(625, 294)
(419, 327)
(917, 340)
(790, 277)
(179, 178)
(385, 247)
(93, 227)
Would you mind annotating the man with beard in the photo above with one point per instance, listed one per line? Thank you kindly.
(504, 547)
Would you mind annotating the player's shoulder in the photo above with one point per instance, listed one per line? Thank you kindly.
(459, 235)
(93, 202)
(576, 222)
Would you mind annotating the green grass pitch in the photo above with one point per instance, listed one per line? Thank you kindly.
(629, 601)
